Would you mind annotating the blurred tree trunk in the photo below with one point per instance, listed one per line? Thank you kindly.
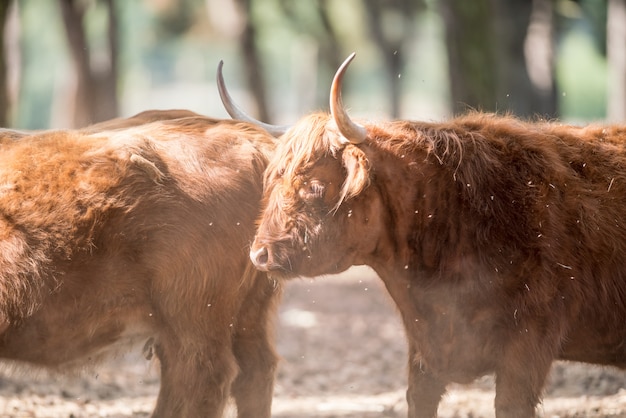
(472, 54)
(329, 43)
(616, 56)
(390, 48)
(4, 82)
(324, 47)
(331, 46)
(96, 88)
(487, 64)
(107, 79)
(391, 23)
(539, 61)
(252, 61)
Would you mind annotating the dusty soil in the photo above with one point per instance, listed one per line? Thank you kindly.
(343, 355)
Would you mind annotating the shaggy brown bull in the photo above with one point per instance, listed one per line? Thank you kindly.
(136, 230)
(502, 242)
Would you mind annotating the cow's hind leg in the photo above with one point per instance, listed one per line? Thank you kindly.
(254, 349)
(195, 378)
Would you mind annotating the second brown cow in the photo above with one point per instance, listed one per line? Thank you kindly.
(136, 231)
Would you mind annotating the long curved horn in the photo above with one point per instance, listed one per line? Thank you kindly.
(352, 131)
(235, 111)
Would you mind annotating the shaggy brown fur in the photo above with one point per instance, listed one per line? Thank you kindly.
(136, 230)
(502, 242)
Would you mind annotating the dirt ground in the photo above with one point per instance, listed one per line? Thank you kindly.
(343, 355)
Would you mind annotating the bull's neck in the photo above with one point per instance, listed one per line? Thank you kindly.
(419, 203)
(406, 186)
(392, 260)
(393, 183)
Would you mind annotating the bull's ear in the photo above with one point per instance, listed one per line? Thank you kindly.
(357, 173)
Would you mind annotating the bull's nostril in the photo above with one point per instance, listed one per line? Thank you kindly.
(260, 257)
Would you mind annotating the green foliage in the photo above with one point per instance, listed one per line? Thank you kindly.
(43, 58)
(581, 71)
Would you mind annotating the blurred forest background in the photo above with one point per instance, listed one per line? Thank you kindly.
(68, 63)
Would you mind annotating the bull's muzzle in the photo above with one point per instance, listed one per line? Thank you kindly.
(260, 258)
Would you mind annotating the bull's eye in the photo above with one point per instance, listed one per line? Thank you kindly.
(312, 191)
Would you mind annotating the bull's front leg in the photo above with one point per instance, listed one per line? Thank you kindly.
(254, 349)
(253, 387)
(425, 390)
(195, 377)
(520, 377)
